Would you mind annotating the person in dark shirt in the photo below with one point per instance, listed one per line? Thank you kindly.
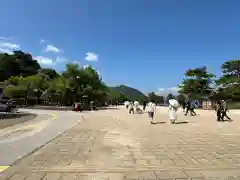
(184, 104)
(219, 111)
(193, 107)
(190, 105)
(224, 109)
(144, 105)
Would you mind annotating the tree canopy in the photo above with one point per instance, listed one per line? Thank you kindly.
(229, 82)
(181, 98)
(169, 96)
(17, 64)
(197, 82)
(24, 78)
(158, 99)
(70, 86)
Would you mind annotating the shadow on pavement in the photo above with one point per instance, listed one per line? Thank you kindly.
(11, 119)
(4, 116)
(228, 120)
(107, 108)
(159, 122)
(182, 122)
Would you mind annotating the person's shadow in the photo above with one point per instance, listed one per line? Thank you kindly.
(159, 122)
(227, 120)
(181, 122)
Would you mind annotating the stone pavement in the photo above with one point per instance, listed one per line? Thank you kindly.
(114, 145)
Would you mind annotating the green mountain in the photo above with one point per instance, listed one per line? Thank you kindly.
(131, 93)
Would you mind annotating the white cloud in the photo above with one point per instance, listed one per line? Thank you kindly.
(3, 50)
(166, 91)
(91, 56)
(5, 38)
(10, 46)
(52, 48)
(7, 47)
(61, 59)
(42, 41)
(48, 61)
(44, 60)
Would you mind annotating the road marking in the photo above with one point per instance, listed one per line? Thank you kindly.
(29, 126)
(2, 168)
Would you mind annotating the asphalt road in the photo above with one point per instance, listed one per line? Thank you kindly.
(19, 140)
(11, 119)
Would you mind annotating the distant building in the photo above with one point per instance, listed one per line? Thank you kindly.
(208, 103)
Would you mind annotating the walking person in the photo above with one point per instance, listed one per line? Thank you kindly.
(173, 107)
(224, 107)
(184, 104)
(131, 108)
(126, 103)
(144, 105)
(151, 108)
(76, 107)
(190, 107)
(219, 111)
(193, 106)
(137, 108)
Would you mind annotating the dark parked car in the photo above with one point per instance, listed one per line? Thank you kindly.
(7, 106)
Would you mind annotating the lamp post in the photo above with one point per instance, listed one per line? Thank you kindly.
(77, 79)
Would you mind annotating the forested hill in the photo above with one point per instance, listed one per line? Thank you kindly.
(130, 93)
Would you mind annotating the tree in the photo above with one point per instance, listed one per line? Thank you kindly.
(197, 82)
(59, 91)
(50, 73)
(25, 87)
(14, 91)
(229, 83)
(38, 84)
(84, 82)
(24, 78)
(17, 64)
(169, 96)
(181, 98)
(153, 97)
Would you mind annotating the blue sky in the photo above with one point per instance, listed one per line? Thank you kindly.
(147, 44)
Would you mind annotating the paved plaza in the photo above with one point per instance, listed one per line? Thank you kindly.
(114, 145)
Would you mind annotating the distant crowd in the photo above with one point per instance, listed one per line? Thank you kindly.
(221, 109)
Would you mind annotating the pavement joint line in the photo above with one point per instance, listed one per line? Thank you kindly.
(126, 169)
(2, 168)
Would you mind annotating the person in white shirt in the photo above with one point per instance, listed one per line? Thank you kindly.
(137, 108)
(126, 103)
(173, 108)
(151, 108)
